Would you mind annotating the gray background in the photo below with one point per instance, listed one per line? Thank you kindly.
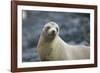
(74, 29)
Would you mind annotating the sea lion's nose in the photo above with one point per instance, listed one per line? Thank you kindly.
(53, 31)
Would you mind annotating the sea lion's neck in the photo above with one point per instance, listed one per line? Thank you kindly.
(43, 42)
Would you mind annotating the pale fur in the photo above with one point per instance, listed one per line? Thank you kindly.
(57, 49)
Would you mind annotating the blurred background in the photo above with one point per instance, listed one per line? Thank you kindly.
(74, 29)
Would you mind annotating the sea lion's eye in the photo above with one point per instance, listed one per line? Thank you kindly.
(48, 28)
(56, 28)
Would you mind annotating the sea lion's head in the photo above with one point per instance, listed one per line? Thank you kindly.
(50, 30)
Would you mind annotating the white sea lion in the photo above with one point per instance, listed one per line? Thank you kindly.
(52, 47)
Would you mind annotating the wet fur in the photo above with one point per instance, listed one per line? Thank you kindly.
(54, 48)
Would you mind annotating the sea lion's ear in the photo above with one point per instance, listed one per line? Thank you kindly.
(57, 29)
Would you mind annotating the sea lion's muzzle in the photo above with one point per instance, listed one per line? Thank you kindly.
(52, 31)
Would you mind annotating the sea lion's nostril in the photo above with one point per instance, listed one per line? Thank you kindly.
(53, 31)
